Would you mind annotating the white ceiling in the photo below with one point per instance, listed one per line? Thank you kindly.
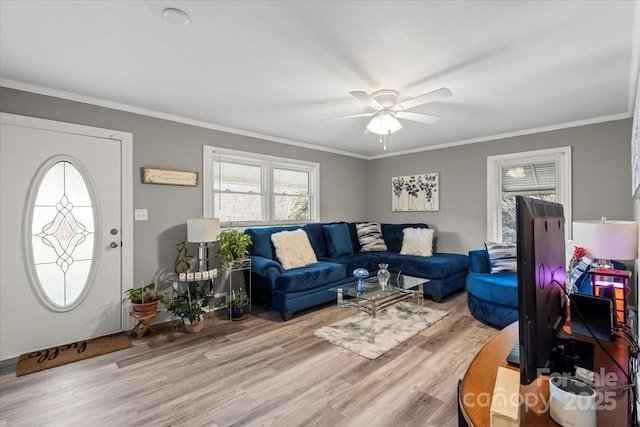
(278, 69)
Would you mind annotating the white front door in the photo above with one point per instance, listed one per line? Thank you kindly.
(61, 228)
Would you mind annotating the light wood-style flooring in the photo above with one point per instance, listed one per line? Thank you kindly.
(258, 372)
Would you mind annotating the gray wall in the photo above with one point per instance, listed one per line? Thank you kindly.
(351, 189)
(166, 144)
(601, 180)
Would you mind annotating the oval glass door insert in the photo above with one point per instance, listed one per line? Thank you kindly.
(62, 235)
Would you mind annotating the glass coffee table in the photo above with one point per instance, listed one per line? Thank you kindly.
(372, 298)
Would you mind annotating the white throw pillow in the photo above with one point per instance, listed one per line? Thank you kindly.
(417, 241)
(293, 249)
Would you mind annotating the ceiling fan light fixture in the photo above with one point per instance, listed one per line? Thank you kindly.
(384, 123)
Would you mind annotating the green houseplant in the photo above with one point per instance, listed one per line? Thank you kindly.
(233, 246)
(188, 305)
(145, 298)
(239, 303)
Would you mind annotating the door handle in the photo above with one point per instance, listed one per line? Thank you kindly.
(114, 245)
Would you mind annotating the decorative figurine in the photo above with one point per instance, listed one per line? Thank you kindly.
(182, 264)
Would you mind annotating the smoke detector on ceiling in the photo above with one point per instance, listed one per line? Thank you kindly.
(175, 16)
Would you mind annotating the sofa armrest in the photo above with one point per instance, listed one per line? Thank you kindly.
(261, 265)
(479, 261)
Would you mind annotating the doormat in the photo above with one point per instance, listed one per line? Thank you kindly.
(372, 337)
(68, 353)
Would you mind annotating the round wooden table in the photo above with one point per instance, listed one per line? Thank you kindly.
(476, 389)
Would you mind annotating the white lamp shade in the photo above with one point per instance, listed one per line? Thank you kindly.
(201, 230)
(607, 240)
(384, 123)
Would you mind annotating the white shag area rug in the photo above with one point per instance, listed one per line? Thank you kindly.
(371, 338)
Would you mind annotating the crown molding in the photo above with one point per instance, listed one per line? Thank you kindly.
(13, 84)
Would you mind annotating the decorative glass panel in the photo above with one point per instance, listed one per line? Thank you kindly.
(63, 234)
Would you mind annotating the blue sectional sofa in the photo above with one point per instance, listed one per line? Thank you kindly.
(492, 297)
(288, 291)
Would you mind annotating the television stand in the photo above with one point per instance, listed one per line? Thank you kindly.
(567, 354)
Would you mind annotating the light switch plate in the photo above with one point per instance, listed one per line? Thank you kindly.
(141, 215)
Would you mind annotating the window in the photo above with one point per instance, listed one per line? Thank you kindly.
(543, 174)
(243, 188)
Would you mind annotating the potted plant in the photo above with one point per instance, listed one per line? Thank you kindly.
(188, 305)
(233, 246)
(144, 299)
(239, 303)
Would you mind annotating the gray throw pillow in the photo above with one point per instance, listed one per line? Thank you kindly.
(370, 237)
(502, 256)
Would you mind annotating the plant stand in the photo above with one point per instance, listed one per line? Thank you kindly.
(144, 322)
(242, 265)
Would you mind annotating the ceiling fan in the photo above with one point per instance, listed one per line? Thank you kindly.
(387, 111)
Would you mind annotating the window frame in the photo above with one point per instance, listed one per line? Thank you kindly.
(268, 164)
(562, 158)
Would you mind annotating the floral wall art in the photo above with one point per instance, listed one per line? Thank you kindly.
(415, 193)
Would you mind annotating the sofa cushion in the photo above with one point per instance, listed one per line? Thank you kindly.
(438, 266)
(310, 277)
(417, 241)
(315, 232)
(261, 240)
(502, 256)
(370, 237)
(338, 239)
(479, 261)
(293, 249)
(392, 234)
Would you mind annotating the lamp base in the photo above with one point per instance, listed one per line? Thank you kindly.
(605, 264)
(203, 257)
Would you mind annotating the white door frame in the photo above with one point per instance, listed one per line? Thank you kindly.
(126, 158)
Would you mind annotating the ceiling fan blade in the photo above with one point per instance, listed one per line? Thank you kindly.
(352, 116)
(417, 117)
(424, 98)
(366, 98)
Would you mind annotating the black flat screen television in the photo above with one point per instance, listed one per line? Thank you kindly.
(541, 276)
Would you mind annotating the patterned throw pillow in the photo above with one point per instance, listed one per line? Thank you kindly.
(502, 256)
(370, 237)
(417, 241)
(293, 249)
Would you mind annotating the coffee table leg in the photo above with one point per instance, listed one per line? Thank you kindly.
(372, 332)
(421, 297)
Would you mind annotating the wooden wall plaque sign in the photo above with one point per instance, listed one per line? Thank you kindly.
(169, 177)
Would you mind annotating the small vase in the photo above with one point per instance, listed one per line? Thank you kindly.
(383, 275)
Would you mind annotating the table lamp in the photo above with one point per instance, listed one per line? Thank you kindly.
(203, 231)
(606, 240)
